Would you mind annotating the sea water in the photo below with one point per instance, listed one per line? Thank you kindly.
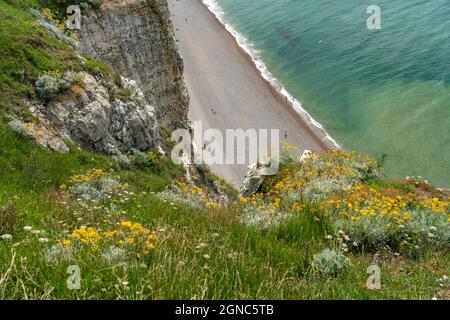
(384, 92)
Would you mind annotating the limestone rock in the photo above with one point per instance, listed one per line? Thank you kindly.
(86, 116)
(256, 173)
(253, 179)
(41, 132)
(135, 37)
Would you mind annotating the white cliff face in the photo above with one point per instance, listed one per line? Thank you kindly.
(135, 37)
(88, 116)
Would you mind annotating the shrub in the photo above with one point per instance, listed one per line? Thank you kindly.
(430, 227)
(370, 234)
(187, 194)
(330, 262)
(402, 220)
(67, 81)
(18, 127)
(96, 186)
(47, 87)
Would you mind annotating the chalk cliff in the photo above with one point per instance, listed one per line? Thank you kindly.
(135, 37)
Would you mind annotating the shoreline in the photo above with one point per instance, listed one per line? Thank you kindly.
(227, 89)
(278, 91)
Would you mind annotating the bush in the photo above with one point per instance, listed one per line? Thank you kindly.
(95, 186)
(47, 87)
(330, 262)
(67, 81)
(430, 227)
(370, 233)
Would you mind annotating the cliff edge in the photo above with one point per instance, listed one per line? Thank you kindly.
(135, 37)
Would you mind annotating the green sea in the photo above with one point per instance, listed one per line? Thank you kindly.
(382, 92)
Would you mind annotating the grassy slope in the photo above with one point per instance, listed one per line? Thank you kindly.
(27, 51)
(243, 262)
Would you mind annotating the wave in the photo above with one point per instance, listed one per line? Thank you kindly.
(250, 49)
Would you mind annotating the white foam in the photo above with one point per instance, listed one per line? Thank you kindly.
(250, 49)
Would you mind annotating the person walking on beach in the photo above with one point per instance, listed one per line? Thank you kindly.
(285, 135)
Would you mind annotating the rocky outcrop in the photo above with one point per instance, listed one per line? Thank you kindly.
(136, 38)
(258, 171)
(252, 181)
(41, 132)
(90, 117)
(255, 177)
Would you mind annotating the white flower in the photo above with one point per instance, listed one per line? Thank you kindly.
(125, 283)
(206, 256)
(27, 228)
(347, 238)
(35, 231)
(433, 228)
(355, 244)
(430, 235)
(6, 236)
(328, 237)
(43, 240)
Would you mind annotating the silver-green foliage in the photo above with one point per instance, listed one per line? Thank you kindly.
(330, 262)
(47, 86)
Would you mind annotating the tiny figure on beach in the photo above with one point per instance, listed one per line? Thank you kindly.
(186, 20)
(204, 146)
(285, 135)
(213, 111)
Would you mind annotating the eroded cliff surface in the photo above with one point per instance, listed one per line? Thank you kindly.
(136, 38)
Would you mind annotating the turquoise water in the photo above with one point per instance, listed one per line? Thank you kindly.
(381, 92)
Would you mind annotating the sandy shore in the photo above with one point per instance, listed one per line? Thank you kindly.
(221, 76)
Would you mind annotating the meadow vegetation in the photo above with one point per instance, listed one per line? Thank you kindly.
(135, 234)
(143, 231)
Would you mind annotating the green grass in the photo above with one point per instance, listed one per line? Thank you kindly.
(26, 51)
(241, 263)
(244, 262)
